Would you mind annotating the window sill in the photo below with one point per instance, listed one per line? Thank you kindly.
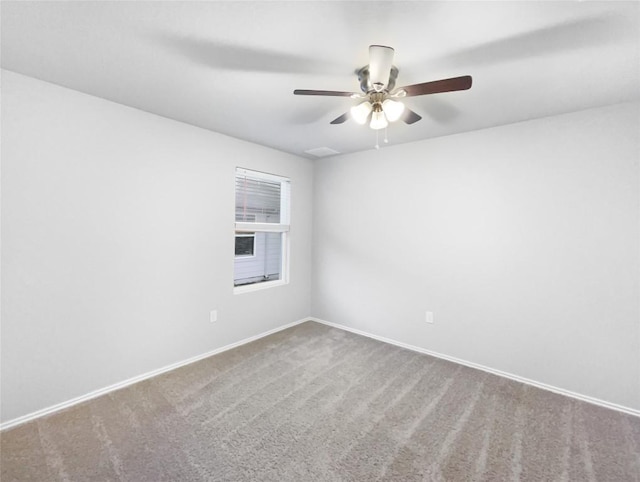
(258, 286)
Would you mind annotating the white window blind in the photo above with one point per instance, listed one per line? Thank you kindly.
(261, 198)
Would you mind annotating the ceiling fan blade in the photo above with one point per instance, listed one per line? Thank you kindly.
(380, 62)
(333, 93)
(563, 36)
(437, 86)
(221, 55)
(410, 117)
(341, 119)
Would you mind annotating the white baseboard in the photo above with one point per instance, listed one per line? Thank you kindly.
(102, 391)
(544, 386)
(117, 386)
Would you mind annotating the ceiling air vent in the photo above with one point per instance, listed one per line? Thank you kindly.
(321, 152)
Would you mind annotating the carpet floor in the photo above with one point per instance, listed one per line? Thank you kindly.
(314, 403)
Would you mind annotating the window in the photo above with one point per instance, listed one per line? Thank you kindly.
(261, 231)
(245, 245)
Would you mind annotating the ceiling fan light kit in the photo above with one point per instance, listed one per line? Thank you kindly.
(377, 82)
(378, 119)
(393, 109)
(360, 113)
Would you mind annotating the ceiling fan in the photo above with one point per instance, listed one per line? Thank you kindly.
(377, 82)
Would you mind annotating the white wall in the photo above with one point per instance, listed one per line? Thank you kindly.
(117, 241)
(523, 240)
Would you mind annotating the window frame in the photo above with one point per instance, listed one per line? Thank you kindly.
(254, 227)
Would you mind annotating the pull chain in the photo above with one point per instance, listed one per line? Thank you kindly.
(377, 146)
(386, 141)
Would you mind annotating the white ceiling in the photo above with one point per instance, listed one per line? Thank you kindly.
(231, 67)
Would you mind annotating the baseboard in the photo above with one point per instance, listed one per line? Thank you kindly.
(117, 386)
(511, 376)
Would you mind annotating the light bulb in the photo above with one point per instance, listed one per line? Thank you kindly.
(378, 120)
(392, 109)
(360, 112)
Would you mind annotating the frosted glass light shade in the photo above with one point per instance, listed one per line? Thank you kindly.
(380, 60)
(392, 109)
(360, 112)
(378, 120)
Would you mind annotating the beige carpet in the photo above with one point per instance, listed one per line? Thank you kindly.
(314, 403)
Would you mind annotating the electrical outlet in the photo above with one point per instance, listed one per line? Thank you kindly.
(213, 316)
(429, 317)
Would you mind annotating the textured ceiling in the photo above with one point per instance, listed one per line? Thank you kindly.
(231, 67)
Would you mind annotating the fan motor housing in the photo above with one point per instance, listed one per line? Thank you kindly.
(365, 82)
